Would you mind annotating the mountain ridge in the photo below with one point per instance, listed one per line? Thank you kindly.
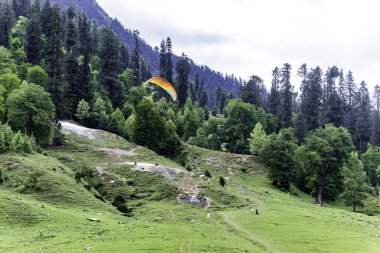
(212, 78)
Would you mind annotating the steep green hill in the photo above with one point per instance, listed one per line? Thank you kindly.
(44, 209)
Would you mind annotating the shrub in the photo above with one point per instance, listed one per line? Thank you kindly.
(130, 181)
(1, 177)
(208, 174)
(6, 135)
(222, 181)
(189, 167)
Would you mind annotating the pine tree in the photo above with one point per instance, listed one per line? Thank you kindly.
(124, 57)
(108, 76)
(45, 16)
(183, 68)
(350, 114)
(7, 19)
(203, 98)
(220, 99)
(250, 91)
(363, 123)
(135, 59)
(33, 40)
(168, 63)
(85, 50)
(311, 93)
(54, 57)
(375, 140)
(162, 57)
(286, 97)
(21, 8)
(274, 96)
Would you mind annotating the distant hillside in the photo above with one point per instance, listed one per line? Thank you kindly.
(211, 77)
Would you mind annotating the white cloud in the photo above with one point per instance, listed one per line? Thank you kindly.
(247, 37)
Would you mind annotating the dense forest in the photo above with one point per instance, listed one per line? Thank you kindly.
(57, 64)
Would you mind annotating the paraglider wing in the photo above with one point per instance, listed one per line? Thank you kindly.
(168, 87)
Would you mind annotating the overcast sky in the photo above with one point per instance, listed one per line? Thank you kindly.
(252, 37)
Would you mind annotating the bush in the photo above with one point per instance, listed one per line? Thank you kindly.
(130, 181)
(208, 174)
(22, 143)
(189, 167)
(6, 135)
(1, 177)
(182, 158)
(222, 181)
(119, 199)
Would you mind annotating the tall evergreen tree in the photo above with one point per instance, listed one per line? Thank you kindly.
(286, 97)
(54, 57)
(33, 40)
(162, 57)
(85, 50)
(73, 91)
(332, 110)
(168, 59)
(220, 99)
(250, 91)
(124, 57)
(21, 8)
(350, 113)
(274, 96)
(135, 59)
(7, 19)
(108, 76)
(311, 93)
(183, 70)
(45, 16)
(203, 98)
(376, 118)
(363, 123)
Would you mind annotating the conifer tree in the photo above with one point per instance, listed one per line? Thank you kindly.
(376, 118)
(168, 59)
(33, 41)
(108, 76)
(183, 70)
(274, 96)
(363, 123)
(54, 57)
(7, 19)
(135, 59)
(21, 8)
(162, 57)
(350, 113)
(250, 91)
(124, 57)
(286, 97)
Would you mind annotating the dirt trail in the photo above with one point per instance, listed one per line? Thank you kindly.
(227, 218)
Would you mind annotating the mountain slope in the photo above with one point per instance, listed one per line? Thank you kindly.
(212, 78)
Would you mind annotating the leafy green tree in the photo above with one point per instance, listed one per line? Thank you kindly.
(9, 82)
(320, 159)
(83, 112)
(16, 39)
(257, 140)
(278, 156)
(37, 75)
(149, 128)
(7, 63)
(183, 68)
(30, 109)
(354, 181)
(129, 127)
(6, 135)
(191, 125)
(371, 160)
(99, 113)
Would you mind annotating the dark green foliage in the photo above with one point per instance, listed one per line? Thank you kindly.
(31, 110)
(110, 62)
(183, 68)
(320, 160)
(21, 7)
(375, 139)
(274, 96)
(278, 156)
(363, 123)
(203, 98)
(371, 161)
(207, 174)
(6, 135)
(222, 181)
(33, 40)
(22, 144)
(1, 177)
(286, 97)
(7, 19)
(135, 59)
(250, 91)
(124, 57)
(220, 102)
(54, 56)
(37, 76)
(188, 167)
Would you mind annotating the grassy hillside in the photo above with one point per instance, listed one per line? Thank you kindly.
(44, 209)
